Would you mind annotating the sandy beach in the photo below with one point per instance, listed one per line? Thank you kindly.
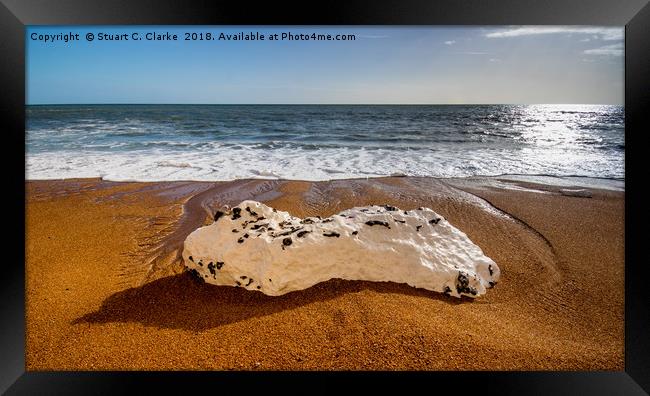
(106, 289)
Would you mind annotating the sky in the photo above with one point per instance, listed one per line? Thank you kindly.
(383, 65)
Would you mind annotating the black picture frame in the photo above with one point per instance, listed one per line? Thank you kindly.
(16, 14)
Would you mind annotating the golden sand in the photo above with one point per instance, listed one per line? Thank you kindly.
(105, 290)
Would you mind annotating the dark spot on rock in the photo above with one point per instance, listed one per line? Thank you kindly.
(249, 282)
(287, 241)
(218, 215)
(191, 259)
(302, 233)
(219, 264)
(492, 283)
(234, 230)
(269, 280)
(243, 277)
(257, 219)
(490, 269)
(200, 263)
(248, 209)
(390, 208)
(275, 210)
(238, 283)
(462, 285)
(196, 275)
(434, 221)
(212, 270)
(332, 234)
(447, 290)
(328, 220)
(462, 281)
(355, 232)
(240, 240)
(405, 212)
(258, 226)
(246, 235)
(400, 221)
(289, 232)
(417, 228)
(377, 222)
(236, 213)
(259, 287)
(307, 221)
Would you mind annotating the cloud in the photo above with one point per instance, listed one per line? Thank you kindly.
(471, 53)
(607, 50)
(495, 60)
(373, 36)
(602, 33)
(450, 42)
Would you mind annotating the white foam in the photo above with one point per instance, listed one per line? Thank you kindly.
(570, 181)
(174, 164)
(275, 253)
(217, 162)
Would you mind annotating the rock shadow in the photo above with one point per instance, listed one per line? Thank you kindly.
(183, 302)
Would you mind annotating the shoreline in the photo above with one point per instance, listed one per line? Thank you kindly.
(606, 183)
(105, 289)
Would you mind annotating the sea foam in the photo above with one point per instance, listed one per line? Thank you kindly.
(321, 142)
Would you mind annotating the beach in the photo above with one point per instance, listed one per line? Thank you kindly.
(106, 290)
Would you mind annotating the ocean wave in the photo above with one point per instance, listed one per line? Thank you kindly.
(324, 164)
(149, 142)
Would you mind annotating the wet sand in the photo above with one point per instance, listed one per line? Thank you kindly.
(106, 290)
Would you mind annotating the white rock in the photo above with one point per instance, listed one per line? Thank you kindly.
(259, 248)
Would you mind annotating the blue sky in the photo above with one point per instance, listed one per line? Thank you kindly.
(500, 64)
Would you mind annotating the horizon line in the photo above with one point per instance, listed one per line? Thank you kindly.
(313, 104)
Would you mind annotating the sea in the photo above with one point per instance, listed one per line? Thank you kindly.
(322, 142)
